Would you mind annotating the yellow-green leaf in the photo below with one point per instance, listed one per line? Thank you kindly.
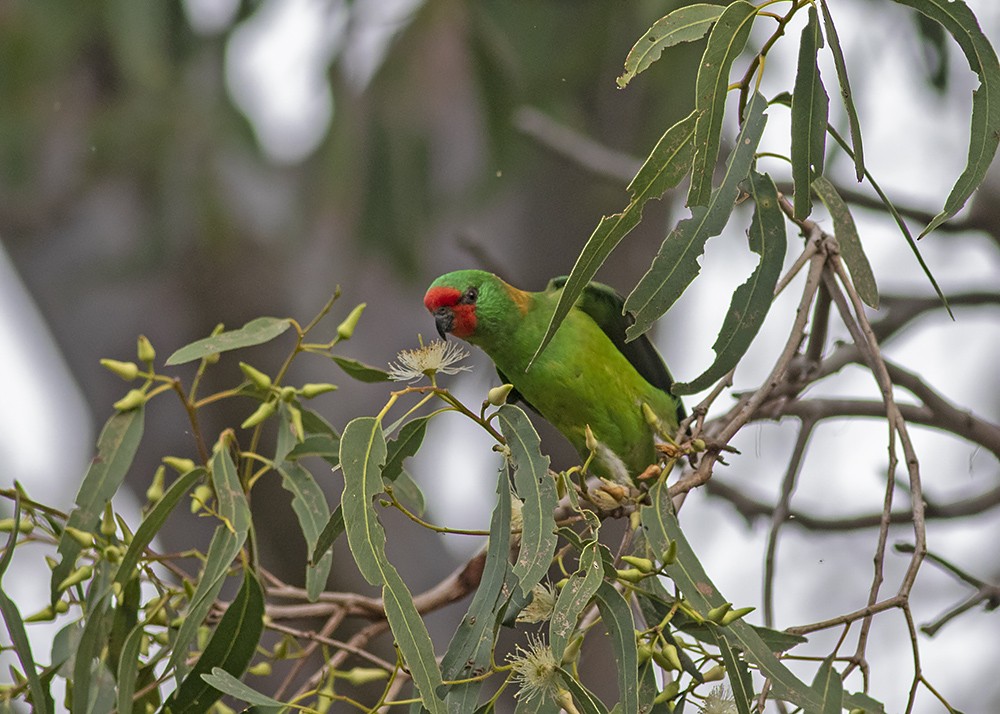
(255, 332)
(685, 24)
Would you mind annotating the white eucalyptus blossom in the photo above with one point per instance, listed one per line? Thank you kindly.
(427, 360)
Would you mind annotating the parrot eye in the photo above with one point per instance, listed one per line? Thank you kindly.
(470, 295)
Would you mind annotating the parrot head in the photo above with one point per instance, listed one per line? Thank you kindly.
(471, 304)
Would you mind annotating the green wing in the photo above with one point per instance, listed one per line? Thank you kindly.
(607, 308)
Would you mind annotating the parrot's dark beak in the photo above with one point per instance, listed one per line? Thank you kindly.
(444, 319)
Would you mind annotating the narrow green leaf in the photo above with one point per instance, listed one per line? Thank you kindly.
(956, 17)
(408, 492)
(331, 531)
(404, 446)
(536, 705)
(479, 624)
(574, 598)
(849, 241)
(152, 523)
(845, 90)
(362, 455)
(225, 546)
(751, 300)
(676, 264)
(228, 684)
(88, 650)
(286, 438)
(312, 511)
(255, 332)
(661, 528)
(361, 371)
(116, 448)
(538, 491)
(586, 701)
(810, 111)
(41, 700)
(617, 617)
(231, 500)
(666, 165)
(126, 615)
(685, 24)
(231, 648)
(128, 668)
(828, 688)
(729, 36)
(740, 681)
(323, 445)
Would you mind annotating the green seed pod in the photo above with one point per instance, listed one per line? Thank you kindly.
(717, 613)
(498, 395)
(260, 414)
(645, 565)
(162, 638)
(359, 676)
(7, 525)
(631, 575)
(203, 635)
(145, 350)
(669, 556)
(734, 615)
(564, 699)
(177, 622)
(46, 614)
(133, 400)
(572, 651)
(144, 645)
(82, 537)
(200, 497)
(181, 466)
(112, 554)
(698, 445)
(345, 330)
(670, 690)
(126, 370)
(159, 617)
(61, 606)
(650, 416)
(256, 377)
(51, 562)
(286, 394)
(155, 491)
(108, 525)
(296, 416)
(715, 674)
(645, 652)
(76, 577)
(667, 657)
(590, 439)
(261, 669)
(314, 390)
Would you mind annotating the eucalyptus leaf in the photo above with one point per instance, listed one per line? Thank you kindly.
(685, 24)
(810, 111)
(849, 241)
(617, 617)
(255, 332)
(313, 513)
(361, 371)
(574, 597)
(846, 95)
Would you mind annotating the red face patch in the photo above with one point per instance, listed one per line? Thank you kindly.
(463, 313)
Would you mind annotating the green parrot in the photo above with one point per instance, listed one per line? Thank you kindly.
(587, 375)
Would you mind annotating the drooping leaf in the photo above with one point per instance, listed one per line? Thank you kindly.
(231, 501)
(152, 523)
(471, 646)
(666, 165)
(538, 491)
(725, 43)
(810, 111)
(575, 595)
(255, 332)
(313, 512)
(676, 264)
(617, 617)
(828, 688)
(331, 531)
(323, 445)
(404, 446)
(685, 24)
(585, 700)
(128, 668)
(41, 700)
(407, 492)
(116, 449)
(228, 684)
(362, 456)
(224, 547)
(751, 300)
(956, 17)
(361, 371)
(845, 90)
(88, 650)
(231, 648)
(849, 241)
(661, 528)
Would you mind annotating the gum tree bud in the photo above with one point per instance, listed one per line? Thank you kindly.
(260, 414)
(181, 466)
(669, 556)
(256, 377)
(346, 329)
(76, 577)
(645, 652)
(670, 690)
(632, 575)
(359, 676)
(108, 525)
(82, 537)
(126, 370)
(296, 416)
(717, 613)
(133, 400)
(261, 669)
(564, 699)
(145, 350)
(7, 525)
(698, 445)
(715, 674)
(734, 615)
(46, 614)
(650, 416)
(644, 565)
(498, 395)
(667, 657)
(590, 439)
(311, 390)
(286, 394)
(200, 497)
(155, 491)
